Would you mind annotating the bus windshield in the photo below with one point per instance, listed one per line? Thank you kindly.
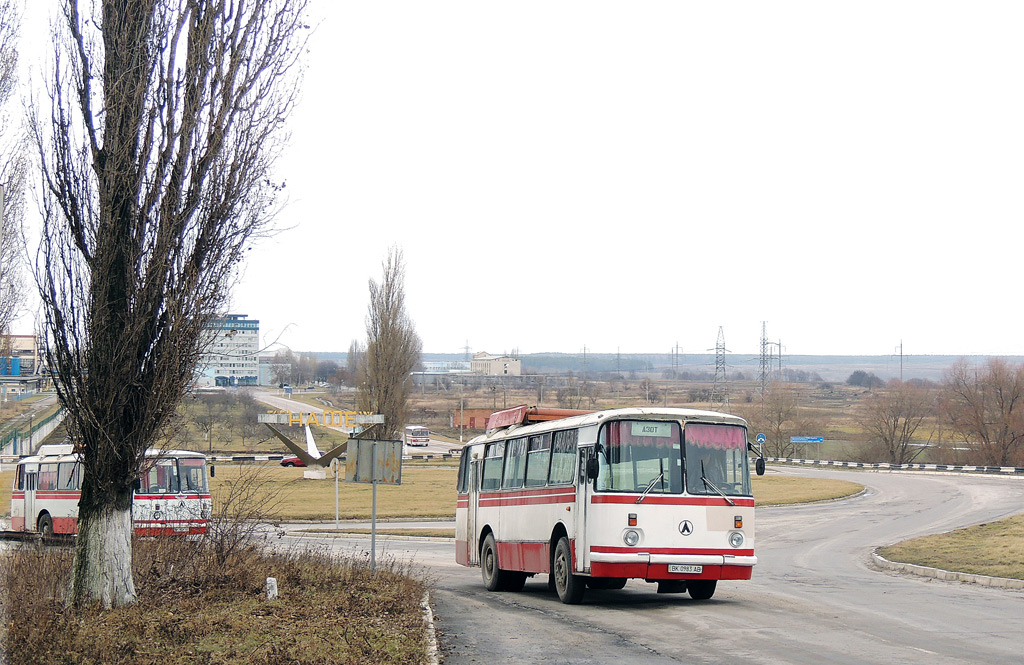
(193, 474)
(716, 457)
(640, 455)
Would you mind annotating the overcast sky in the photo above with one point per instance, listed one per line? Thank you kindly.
(629, 176)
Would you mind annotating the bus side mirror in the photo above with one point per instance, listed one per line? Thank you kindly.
(759, 466)
(213, 471)
(592, 468)
(137, 485)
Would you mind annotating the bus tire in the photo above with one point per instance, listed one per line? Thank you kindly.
(701, 589)
(45, 525)
(569, 587)
(494, 577)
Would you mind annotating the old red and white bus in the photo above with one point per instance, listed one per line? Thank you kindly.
(172, 495)
(658, 494)
(416, 435)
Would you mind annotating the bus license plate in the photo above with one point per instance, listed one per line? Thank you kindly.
(685, 568)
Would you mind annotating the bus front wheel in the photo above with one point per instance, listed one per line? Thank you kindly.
(569, 587)
(494, 577)
(46, 525)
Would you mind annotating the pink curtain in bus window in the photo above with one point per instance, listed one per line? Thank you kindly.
(722, 437)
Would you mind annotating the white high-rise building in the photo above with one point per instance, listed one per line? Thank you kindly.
(232, 359)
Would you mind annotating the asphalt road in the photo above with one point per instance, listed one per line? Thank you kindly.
(814, 598)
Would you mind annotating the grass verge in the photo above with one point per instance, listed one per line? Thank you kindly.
(782, 490)
(424, 492)
(995, 549)
(195, 607)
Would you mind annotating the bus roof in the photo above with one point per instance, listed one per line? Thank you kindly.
(597, 417)
(47, 452)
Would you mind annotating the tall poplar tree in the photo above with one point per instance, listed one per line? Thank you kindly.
(392, 349)
(165, 118)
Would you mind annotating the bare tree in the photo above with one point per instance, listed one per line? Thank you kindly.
(165, 119)
(13, 171)
(986, 408)
(778, 417)
(892, 416)
(392, 349)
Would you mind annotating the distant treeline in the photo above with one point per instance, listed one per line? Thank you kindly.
(739, 366)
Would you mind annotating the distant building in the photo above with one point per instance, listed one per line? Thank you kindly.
(21, 371)
(469, 418)
(488, 365)
(445, 366)
(231, 359)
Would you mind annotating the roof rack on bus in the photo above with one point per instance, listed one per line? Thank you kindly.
(527, 415)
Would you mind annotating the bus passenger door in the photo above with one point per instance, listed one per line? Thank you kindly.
(584, 489)
(30, 501)
(472, 532)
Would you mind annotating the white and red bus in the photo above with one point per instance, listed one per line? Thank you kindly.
(658, 494)
(172, 496)
(416, 435)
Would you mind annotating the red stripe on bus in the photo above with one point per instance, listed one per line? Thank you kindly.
(530, 491)
(526, 500)
(671, 500)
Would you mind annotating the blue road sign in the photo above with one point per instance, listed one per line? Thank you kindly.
(807, 439)
(761, 438)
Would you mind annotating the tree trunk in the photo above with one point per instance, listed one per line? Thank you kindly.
(102, 570)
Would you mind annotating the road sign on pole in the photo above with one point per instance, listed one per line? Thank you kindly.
(372, 461)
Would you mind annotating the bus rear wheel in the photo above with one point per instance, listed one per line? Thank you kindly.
(701, 589)
(569, 587)
(494, 577)
(46, 525)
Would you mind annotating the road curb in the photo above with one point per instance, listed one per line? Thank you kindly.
(946, 575)
(428, 618)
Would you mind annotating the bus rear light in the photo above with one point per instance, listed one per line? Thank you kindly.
(737, 522)
(632, 519)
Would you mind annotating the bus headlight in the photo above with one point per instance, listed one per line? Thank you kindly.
(736, 539)
(631, 537)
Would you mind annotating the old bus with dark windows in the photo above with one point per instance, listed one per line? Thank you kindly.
(594, 499)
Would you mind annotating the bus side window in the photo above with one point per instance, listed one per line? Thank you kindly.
(19, 481)
(563, 457)
(515, 464)
(47, 477)
(538, 459)
(66, 477)
(492, 466)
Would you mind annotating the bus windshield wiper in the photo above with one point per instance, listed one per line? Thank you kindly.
(650, 486)
(708, 483)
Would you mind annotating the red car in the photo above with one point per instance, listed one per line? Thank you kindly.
(292, 461)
